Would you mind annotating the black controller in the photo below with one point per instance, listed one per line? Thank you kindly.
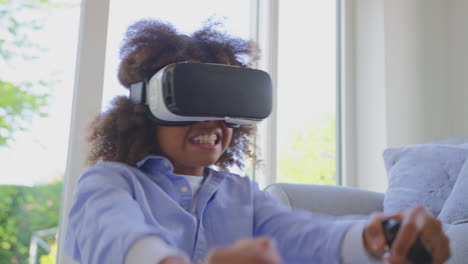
(418, 254)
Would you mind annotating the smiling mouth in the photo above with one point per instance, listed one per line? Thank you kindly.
(210, 139)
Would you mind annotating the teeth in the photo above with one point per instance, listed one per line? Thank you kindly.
(203, 139)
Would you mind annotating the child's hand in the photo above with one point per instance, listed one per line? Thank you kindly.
(174, 260)
(248, 251)
(414, 222)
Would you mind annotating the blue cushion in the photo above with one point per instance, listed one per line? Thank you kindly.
(422, 175)
(456, 206)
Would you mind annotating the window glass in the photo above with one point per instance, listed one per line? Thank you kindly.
(307, 92)
(37, 61)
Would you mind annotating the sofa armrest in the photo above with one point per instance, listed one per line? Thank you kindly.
(458, 235)
(327, 199)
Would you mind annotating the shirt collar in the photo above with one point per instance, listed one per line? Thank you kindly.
(162, 164)
(155, 163)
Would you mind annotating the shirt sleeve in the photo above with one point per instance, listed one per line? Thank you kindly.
(151, 250)
(353, 250)
(301, 236)
(105, 220)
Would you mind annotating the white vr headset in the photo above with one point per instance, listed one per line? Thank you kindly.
(185, 92)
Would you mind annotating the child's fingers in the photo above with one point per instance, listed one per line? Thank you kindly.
(419, 222)
(257, 244)
(175, 260)
(438, 242)
(411, 225)
(235, 255)
(388, 258)
(374, 239)
(252, 250)
(440, 249)
(269, 249)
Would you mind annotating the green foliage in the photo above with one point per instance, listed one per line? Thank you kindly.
(24, 210)
(310, 157)
(18, 103)
(16, 25)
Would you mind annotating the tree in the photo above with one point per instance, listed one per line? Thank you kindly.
(24, 210)
(18, 101)
(310, 157)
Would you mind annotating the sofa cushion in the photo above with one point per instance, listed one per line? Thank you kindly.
(456, 206)
(457, 234)
(422, 175)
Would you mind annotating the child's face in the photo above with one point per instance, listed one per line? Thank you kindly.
(191, 148)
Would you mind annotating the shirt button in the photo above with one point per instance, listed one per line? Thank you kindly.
(166, 163)
(183, 189)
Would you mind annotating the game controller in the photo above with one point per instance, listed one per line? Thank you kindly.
(418, 254)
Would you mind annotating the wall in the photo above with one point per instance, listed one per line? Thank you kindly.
(369, 94)
(458, 54)
(410, 84)
(417, 81)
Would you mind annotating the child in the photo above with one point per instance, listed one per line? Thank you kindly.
(153, 196)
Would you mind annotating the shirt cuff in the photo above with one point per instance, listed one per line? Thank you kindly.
(150, 250)
(353, 249)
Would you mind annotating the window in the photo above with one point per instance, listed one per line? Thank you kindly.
(37, 59)
(306, 95)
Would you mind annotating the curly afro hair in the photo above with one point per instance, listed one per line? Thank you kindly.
(124, 133)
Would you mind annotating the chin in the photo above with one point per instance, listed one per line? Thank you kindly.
(206, 163)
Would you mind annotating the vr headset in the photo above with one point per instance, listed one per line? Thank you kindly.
(185, 92)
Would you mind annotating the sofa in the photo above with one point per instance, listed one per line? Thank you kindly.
(339, 201)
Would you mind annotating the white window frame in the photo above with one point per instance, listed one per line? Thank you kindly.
(346, 95)
(87, 100)
(266, 36)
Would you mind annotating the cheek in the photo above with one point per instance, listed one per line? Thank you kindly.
(228, 137)
(168, 137)
(160, 135)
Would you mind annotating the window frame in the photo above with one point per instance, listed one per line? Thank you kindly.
(87, 97)
(267, 39)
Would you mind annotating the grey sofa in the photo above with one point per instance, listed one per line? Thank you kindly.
(345, 201)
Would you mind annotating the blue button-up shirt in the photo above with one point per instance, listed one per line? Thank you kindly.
(116, 204)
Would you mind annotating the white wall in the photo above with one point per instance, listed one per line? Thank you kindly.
(458, 73)
(417, 82)
(410, 84)
(369, 92)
